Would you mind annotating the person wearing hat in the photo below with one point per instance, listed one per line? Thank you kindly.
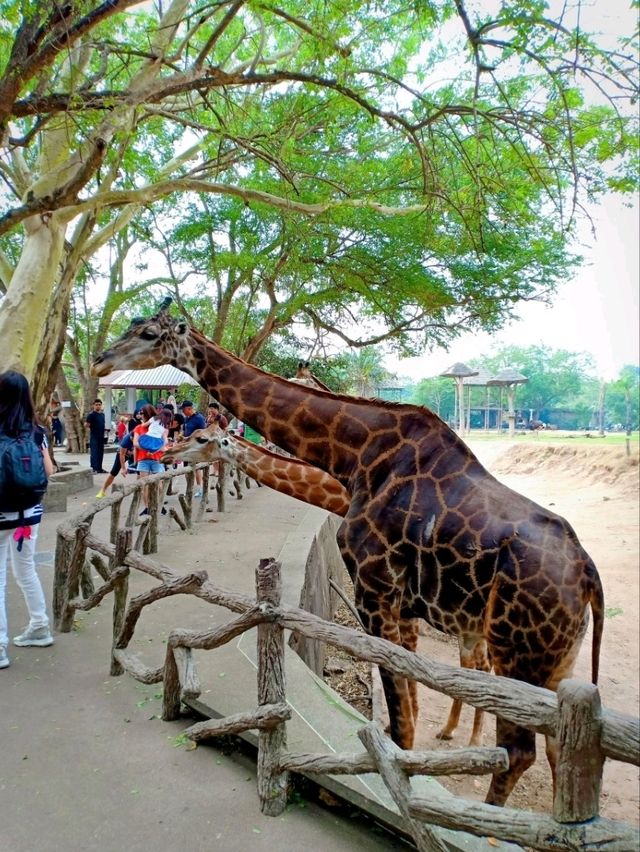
(193, 420)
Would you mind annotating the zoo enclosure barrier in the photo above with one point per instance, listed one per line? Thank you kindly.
(586, 733)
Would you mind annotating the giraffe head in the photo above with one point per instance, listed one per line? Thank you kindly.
(304, 376)
(149, 342)
(203, 445)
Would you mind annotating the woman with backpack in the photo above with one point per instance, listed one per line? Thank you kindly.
(25, 466)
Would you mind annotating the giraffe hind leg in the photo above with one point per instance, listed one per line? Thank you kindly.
(562, 671)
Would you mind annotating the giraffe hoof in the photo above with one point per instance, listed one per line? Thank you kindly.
(444, 735)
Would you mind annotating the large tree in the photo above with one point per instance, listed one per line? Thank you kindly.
(623, 399)
(453, 146)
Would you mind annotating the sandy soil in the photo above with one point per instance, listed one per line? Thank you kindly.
(596, 489)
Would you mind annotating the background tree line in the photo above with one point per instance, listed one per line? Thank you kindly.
(558, 381)
(295, 172)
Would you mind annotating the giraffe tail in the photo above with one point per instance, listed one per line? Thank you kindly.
(596, 599)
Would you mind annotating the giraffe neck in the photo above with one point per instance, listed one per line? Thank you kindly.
(268, 403)
(339, 434)
(291, 476)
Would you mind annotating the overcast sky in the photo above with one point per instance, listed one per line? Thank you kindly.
(596, 311)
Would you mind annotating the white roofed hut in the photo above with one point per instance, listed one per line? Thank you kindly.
(459, 372)
(158, 378)
(509, 378)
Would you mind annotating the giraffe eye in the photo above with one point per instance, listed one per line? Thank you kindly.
(148, 335)
(201, 440)
(224, 442)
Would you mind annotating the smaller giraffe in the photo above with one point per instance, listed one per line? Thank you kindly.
(304, 376)
(288, 475)
(311, 485)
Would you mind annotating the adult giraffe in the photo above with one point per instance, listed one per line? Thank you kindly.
(472, 656)
(308, 483)
(429, 532)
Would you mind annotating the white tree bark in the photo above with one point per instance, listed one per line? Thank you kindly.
(25, 306)
(28, 298)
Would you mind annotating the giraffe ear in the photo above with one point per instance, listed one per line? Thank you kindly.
(181, 327)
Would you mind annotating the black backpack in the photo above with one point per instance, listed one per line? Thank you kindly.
(23, 479)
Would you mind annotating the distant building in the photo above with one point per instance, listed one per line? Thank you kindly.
(393, 391)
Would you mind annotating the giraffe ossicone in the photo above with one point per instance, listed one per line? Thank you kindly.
(496, 568)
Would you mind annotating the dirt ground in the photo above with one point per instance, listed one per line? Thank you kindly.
(596, 489)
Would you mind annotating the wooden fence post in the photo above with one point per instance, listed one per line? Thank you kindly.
(86, 580)
(120, 592)
(116, 508)
(132, 514)
(74, 571)
(151, 541)
(186, 499)
(272, 782)
(221, 486)
(64, 548)
(579, 757)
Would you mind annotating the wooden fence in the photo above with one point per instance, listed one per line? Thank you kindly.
(586, 733)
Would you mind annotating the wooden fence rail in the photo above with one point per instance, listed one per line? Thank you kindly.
(586, 733)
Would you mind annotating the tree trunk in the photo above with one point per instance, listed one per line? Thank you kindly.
(30, 293)
(26, 306)
(601, 399)
(73, 420)
(55, 328)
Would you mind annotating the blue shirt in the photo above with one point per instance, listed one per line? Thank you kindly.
(196, 421)
(127, 441)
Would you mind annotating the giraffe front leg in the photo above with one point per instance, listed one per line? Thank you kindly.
(521, 748)
(400, 693)
(473, 655)
(409, 632)
(400, 705)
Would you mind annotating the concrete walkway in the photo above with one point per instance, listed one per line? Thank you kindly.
(87, 764)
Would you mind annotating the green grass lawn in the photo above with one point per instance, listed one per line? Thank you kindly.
(552, 436)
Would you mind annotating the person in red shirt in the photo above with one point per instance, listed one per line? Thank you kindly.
(121, 430)
(147, 462)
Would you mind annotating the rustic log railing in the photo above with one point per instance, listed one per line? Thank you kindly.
(585, 732)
